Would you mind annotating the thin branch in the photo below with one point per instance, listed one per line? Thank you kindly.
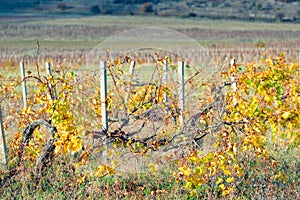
(191, 121)
(18, 83)
(118, 91)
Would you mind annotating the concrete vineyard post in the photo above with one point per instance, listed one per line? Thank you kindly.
(24, 89)
(233, 82)
(48, 70)
(181, 91)
(103, 97)
(165, 78)
(3, 151)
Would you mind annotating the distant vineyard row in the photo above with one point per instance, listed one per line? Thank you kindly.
(78, 57)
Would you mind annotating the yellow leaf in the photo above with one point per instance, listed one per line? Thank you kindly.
(110, 170)
(230, 180)
(151, 167)
(120, 72)
(99, 171)
(220, 180)
(193, 159)
(199, 170)
(193, 192)
(168, 59)
(222, 186)
(117, 61)
(188, 184)
(286, 115)
(225, 192)
(216, 144)
(84, 158)
(159, 62)
(115, 163)
(227, 172)
(234, 149)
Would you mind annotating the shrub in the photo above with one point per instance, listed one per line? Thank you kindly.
(95, 10)
(280, 16)
(146, 8)
(261, 129)
(61, 6)
(192, 15)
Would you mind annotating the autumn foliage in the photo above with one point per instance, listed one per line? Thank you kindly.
(258, 121)
(251, 127)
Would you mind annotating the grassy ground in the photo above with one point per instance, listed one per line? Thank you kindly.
(60, 30)
(60, 182)
(170, 22)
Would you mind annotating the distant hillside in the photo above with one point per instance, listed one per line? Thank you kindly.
(262, 10)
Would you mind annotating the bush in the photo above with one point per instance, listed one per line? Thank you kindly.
(192, 15)
(146, 8)
(61, 6)
(280, 17)
(255, 149)
(95, 10)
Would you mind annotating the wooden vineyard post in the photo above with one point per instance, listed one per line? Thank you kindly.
(181, 91)
(165, 78)
(103, 97)
(48, 70)
(131, 72)
(3, 151)
(233, 82)
(24, 89)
